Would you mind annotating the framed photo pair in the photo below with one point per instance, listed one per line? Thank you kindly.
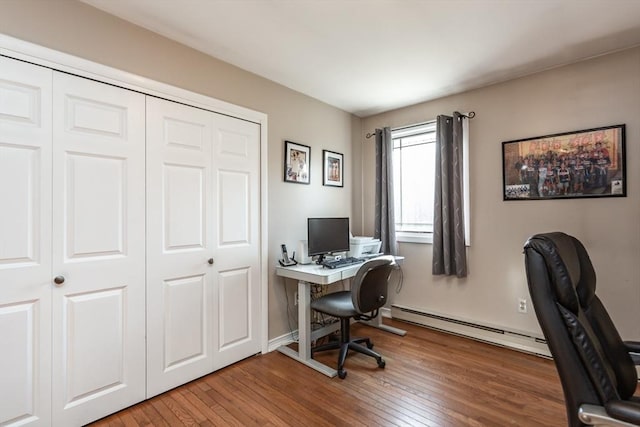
(579, 164)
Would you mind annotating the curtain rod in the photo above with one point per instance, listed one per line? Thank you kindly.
(469, 115)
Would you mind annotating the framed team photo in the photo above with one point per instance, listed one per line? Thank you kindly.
(578, 164)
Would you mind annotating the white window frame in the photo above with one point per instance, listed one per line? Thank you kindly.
(427, 237)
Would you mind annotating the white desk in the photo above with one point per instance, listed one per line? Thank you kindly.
(316, 274)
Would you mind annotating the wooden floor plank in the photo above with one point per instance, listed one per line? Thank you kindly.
(141, 418)
(154, 416)
(431, 379)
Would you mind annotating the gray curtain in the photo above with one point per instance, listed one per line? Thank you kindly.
(449, 252)
(384, 226)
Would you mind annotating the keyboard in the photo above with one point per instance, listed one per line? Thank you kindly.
(342, 262)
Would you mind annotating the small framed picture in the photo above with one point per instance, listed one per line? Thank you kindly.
(297, 158)
(332, 169)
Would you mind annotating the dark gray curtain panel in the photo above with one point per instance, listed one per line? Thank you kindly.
(384, 222)
(449, 251)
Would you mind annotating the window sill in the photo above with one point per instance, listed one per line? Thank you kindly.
(409, 237)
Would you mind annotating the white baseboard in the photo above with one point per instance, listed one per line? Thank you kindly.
(285, 339)
(490, 334)
(487, 333)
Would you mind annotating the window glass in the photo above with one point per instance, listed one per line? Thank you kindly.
(414, 176)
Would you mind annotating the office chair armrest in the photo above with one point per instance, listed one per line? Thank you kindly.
(595, 415)
(624, 410)
(633, 347)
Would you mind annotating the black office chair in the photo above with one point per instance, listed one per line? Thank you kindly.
(596, 367)
(368, 293)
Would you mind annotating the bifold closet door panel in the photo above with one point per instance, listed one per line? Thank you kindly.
(98, 249)
(236, 239)
(179, 225)
(25, 244)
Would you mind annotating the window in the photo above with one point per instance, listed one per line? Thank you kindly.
(414, 156)
(414, 169)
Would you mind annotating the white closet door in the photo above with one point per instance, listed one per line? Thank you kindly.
(236, 237)
(179, 225)
(98, 249)
(25, 244)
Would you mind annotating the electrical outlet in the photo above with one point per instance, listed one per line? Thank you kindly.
(295, 298)
(522, 305)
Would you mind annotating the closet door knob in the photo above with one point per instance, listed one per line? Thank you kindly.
(210, 261)
(58, 280)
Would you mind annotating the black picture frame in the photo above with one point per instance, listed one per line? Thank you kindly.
(580, 164)
(297, 161)
(332, 169)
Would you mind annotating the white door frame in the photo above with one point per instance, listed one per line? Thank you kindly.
(40, 55)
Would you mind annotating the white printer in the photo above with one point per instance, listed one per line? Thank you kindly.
(360, 246)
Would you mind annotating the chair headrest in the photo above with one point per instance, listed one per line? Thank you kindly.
(569, 266)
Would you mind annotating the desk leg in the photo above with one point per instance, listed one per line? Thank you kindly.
(304, 320)
(303, 354)
(377, 323)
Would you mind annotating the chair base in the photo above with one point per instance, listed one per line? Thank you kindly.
(345, 344)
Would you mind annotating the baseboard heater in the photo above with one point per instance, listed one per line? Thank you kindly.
(490, 334)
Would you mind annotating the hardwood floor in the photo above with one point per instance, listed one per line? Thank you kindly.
(431, 379)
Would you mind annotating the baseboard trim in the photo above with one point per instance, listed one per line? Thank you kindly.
(284, 339)
(487, 333)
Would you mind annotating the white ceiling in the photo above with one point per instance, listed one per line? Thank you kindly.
(370, 56)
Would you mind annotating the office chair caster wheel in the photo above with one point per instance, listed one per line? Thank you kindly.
(342, 373)
(381, 363)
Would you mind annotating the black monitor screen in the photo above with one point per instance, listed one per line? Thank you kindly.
(327, 235)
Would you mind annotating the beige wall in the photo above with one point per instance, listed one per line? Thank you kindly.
(602, 91)
(83, 31)
(599, 92)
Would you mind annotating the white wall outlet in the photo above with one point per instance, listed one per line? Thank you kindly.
(522, 305)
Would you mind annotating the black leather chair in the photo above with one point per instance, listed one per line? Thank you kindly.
(596, 367)
(368, 293)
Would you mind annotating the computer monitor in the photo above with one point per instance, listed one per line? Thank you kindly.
(327, 235)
